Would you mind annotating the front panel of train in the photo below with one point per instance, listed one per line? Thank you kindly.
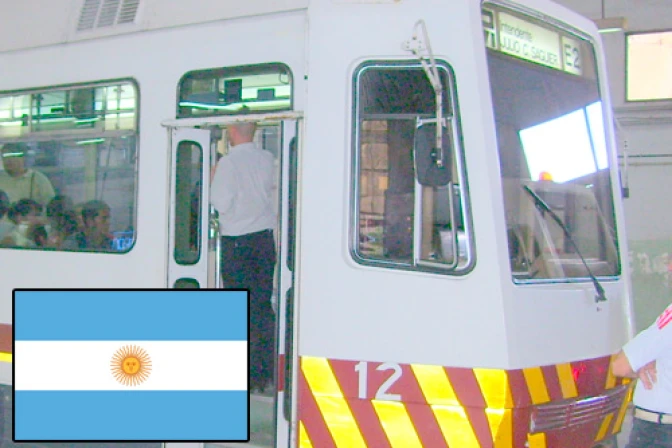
(481, 295)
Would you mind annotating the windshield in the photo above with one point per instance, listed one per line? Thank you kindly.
(551, 139)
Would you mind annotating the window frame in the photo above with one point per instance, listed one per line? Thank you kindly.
(456, 136)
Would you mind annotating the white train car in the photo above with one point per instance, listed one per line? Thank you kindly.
(460, 285)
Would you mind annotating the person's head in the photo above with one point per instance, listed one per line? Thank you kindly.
(24, 211)
(57, 206)
(13, 155)
(38, 234)
(96, 217)
(239, 133)
(4, 203)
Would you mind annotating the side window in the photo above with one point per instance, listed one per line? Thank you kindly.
(398, 221)
(649, 66)
(235, 90)
(69, 167)
(189, 164)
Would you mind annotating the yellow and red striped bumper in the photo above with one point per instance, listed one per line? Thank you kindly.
(367, 404)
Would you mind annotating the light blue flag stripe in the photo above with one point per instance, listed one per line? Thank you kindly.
(136, 415)
(151, 315)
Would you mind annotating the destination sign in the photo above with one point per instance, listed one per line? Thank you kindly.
(529, 41)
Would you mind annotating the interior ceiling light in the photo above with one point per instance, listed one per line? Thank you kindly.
(610, 24)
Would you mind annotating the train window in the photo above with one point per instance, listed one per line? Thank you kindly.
(69, 167)
(235, 90)
(649, 66)
(189, 163)
(398, 222)
(554, 166)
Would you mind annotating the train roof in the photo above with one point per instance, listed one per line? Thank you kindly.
(39, 23)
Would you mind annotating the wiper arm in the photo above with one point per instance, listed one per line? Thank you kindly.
(543, 207)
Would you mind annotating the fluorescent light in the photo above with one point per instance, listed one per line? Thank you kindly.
(92, 141)
(11, 123)
(610, 24)
(236, 106)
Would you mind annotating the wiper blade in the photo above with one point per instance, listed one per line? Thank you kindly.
(543, 207)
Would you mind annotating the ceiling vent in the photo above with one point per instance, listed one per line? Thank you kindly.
(106, 13)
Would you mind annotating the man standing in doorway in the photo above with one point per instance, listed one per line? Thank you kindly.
(242, 194)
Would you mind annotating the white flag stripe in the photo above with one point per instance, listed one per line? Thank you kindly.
(86, 365)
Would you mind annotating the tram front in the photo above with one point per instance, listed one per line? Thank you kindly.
(566, 295)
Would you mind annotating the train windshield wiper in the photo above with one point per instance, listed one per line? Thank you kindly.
(543, 207)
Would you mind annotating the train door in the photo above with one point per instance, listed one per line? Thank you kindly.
(194, 237)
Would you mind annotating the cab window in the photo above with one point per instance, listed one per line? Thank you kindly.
(400, 222)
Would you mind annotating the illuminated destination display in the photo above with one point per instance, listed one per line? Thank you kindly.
(523, 39)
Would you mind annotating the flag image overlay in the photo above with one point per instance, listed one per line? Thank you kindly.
(140, 365)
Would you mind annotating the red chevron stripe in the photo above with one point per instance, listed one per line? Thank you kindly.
(521, 426)
(362, 410)
(310, 415)
(420, 412)
(591, 375)
(407, 386)
(552, 382)
(466, 387)
(521, 402)
(6, 338)
(519, 391)
(469, 393)
(426, 425)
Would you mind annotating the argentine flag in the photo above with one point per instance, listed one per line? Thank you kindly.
(108, 365)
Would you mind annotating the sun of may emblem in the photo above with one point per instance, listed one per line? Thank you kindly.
(131, 365)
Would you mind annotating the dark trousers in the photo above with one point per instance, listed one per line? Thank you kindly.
(248, 262)
(649, 435)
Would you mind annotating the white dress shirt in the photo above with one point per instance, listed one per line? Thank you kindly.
(242, 190)
(654, 343)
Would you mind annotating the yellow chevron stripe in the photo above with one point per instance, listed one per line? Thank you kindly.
(621, 413)
(435, 385)
(604, 427)
(536, 384)
(501, 427)
(494, 384)
(536, 440)
(397, 424)
(304, 440)
(448, 410)
(329, 397)
(5, 357)
(567, 383)
(455, 426)
(611, 379)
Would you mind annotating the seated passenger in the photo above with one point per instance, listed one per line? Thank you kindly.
(65, 227)
(59, 210)
(96, 232)
(38, 234)
(5, 224)
(20, 182)
(25, 214)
